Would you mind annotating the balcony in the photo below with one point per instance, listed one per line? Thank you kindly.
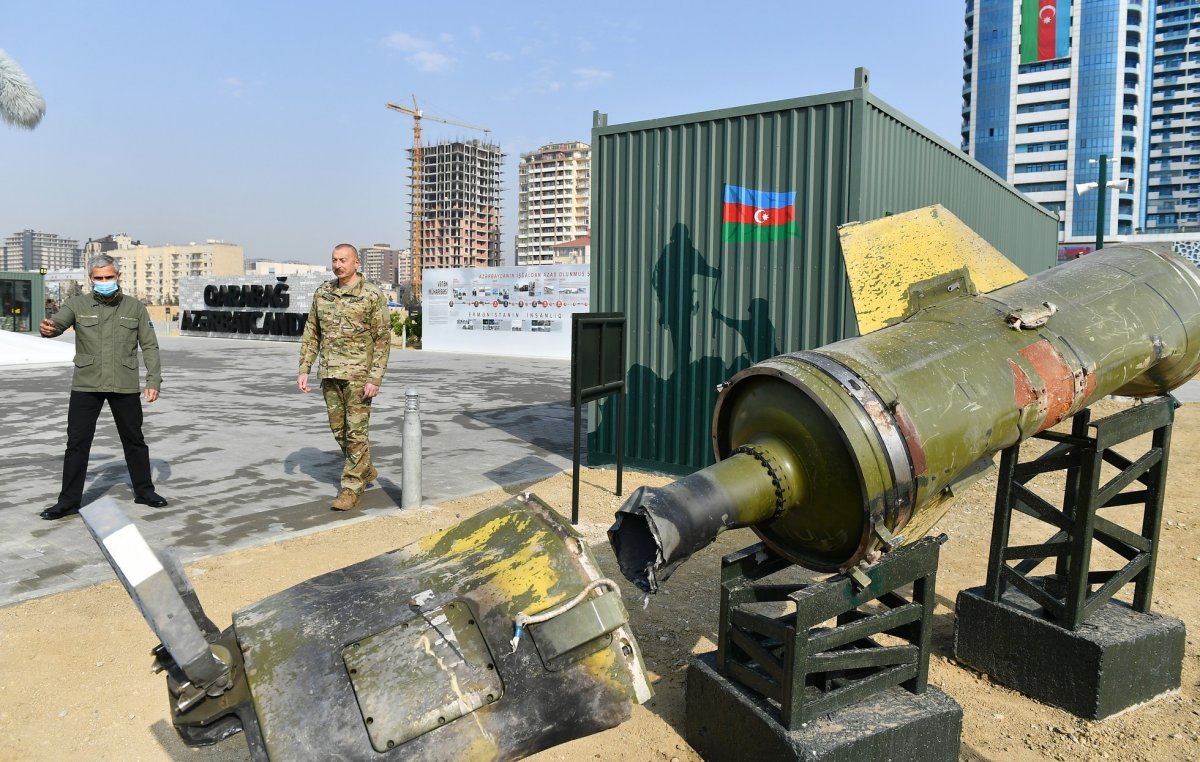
(1048, 176)
(1159, 68)
(1172, 35)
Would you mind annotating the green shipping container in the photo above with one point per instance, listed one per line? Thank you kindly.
(703, 299)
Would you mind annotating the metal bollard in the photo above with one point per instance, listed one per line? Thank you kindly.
(410, 481)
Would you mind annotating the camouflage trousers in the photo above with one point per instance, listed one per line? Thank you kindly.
(349, 417)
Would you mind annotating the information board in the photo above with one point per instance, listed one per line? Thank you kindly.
(519, 311)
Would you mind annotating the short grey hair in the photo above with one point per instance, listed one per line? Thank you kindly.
(103, 260)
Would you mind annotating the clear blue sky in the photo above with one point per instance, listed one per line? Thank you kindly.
(264, 124)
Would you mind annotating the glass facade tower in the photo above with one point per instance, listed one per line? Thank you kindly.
(1125, 85)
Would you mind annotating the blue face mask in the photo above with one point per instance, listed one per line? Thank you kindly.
(105, 287)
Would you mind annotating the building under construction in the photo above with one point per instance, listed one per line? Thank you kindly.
(460, 204)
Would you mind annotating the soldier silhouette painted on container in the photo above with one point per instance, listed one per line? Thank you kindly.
(757, 331)
(674, 286)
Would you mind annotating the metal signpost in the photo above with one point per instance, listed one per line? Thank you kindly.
(597, 371)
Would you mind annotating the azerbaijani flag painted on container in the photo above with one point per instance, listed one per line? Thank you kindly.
(1045, 30)
(754, 215)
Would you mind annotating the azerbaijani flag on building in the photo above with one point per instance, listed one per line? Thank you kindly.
(754, 215)
(1045, 30)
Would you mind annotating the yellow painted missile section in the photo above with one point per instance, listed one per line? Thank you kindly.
(895, 263)
(491, 640)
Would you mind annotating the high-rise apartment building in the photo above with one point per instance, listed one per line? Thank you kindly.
(1170, 193)
(1051, 86)
(379, 262)
(553, 201)
(33, 250)
(404, 269)
(151, 272)
(460, 204)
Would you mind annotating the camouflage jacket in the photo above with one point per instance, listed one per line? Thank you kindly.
(107, 337)
(349, 329)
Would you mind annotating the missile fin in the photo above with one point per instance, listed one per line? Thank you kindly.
(886, 257)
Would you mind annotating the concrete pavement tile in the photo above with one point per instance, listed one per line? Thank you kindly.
(29, 553)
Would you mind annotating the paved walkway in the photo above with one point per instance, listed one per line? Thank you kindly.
(246, 459)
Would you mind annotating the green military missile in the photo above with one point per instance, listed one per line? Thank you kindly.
(836, 455)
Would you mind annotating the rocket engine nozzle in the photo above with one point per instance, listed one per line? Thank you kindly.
(658, 528)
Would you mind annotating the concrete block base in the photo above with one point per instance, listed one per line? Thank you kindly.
(1117, 659)
(725, 722)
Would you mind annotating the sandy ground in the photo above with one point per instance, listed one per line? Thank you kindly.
(75, 681)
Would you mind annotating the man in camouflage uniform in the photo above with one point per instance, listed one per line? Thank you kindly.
(349, 329)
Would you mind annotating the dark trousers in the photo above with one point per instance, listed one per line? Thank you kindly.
(81, 428)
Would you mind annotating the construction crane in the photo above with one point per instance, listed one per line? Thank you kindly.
(417, 115)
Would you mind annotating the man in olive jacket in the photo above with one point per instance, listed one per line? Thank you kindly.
(109, 328)
(348, 329)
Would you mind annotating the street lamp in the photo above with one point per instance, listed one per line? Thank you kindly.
(1104, 182)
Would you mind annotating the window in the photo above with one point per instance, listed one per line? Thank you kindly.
(1048, 166)
(1054, 145)
(1040, 187)
(1041, 127)
(1038, 87)
(1032, 108)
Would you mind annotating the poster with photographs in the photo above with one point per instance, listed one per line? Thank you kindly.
(521, 311)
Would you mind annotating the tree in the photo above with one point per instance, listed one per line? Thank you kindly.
(411, 322)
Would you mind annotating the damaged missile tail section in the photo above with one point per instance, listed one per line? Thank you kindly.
(836, 455)
(491, 640)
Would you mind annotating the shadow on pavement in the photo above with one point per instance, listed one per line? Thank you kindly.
(546, 425)
(323, 466)
(522, 471)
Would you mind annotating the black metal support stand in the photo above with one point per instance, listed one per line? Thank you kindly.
(790, 653)
(1073, 592)
(1064, 665)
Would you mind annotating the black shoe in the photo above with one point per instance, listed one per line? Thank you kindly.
(152, 499)
(57, 511)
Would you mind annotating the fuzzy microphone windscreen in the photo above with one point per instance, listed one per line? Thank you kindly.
(20, 102)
